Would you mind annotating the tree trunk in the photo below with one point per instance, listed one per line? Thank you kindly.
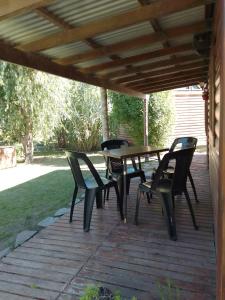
(105, 119)
(28, 149)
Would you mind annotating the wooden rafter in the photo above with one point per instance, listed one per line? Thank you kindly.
(151, 66)
(169, 83)
(154, 10)
(11, 8)
(138, 58)
(133, 43)
(163, 79)
(164, 71)
(171, 86)
(44, 64)
(46, 14)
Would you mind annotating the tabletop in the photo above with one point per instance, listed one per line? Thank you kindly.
(132, 151)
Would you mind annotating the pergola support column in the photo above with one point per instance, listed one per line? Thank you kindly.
(105, 118)
(145, 110)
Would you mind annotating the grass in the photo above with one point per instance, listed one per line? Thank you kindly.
(24, 205)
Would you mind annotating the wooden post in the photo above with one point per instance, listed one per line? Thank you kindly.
(105, 119)
(221, 200)
(145, 110)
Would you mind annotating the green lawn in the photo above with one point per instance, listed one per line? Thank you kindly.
(24, 205)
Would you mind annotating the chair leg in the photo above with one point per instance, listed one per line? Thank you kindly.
(139, 194)
(107, 194)
(166, 199)
(119, 201)
(73, 202)
(128, 185)
(193, 186)
(88, 207)
(99, 199)
(149, 195)
(173, 201)
(191, 209)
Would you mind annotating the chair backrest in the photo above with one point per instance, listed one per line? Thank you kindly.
(74, 159)
(183, 159)
(183, 142)
(115, 165)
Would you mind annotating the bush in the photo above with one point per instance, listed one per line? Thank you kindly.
(129, 110)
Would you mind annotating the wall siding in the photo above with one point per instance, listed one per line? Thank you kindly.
(189, 115)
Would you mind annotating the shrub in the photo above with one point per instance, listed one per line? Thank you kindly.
(129, 110)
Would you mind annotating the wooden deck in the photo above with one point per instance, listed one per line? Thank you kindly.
(61, 260)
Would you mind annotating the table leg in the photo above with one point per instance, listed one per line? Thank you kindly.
(125, 189)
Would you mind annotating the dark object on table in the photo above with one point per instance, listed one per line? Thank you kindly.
(114, 166)
(168, 188)
(92, 185)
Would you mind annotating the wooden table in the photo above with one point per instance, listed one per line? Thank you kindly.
(125, 153)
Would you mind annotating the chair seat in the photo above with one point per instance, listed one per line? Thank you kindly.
(145, 186)
(91, 183)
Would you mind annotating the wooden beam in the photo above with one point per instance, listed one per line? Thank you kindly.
(138, 42)
(138, 58)
(46, 14)
(52, 18)
(152, 66)
(157, 9)
(44, 64)
(170, 87)
(11, 8)
(163, 79)
(182, 68)
(171, 83)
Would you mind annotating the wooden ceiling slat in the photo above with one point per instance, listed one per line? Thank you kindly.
(151, 66)
(180, 67)
(171, 83)
(157, 9)
(134, 43)
(163, 79)
(11, 8)
(42, 63)
(171, 87)
(138, 58)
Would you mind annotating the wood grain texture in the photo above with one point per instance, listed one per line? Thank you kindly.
(61, 260)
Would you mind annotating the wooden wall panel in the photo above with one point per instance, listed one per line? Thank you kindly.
(189, 115)
(217, 140)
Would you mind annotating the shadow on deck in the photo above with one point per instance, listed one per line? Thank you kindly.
(61, 260)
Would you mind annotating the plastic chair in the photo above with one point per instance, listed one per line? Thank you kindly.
(114, 168)
(182, 143)
(93, 186)
(168, 188)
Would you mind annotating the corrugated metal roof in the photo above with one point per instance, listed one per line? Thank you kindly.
(26, 28)
(30, 26)
(146, 49)
(67, 50)
(77, 12)
(124, 34)
(187, 16)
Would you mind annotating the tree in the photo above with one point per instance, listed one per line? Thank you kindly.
(83, 117)
(28, 102)
(128, 111)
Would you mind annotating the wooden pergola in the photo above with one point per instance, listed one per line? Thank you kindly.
(135, 47)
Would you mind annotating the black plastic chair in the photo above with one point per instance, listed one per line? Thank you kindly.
(93, 186)
(168, 188)
(114, 167)
(182, 143)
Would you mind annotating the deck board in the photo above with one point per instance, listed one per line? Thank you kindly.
(61, 260)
